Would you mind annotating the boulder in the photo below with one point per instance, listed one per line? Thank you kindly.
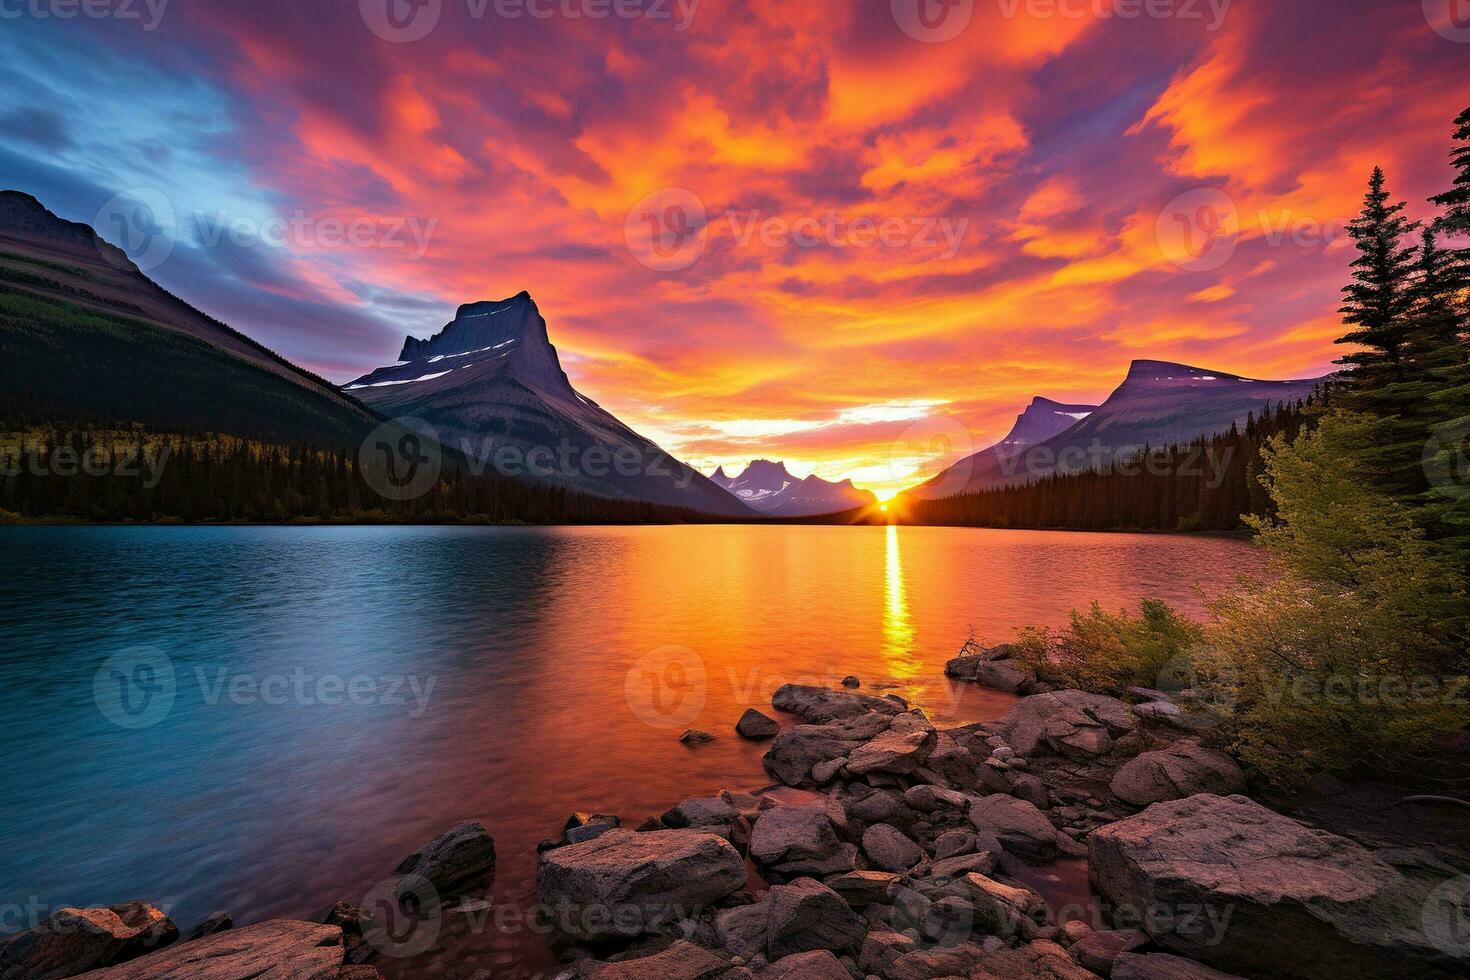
(681, 961)
(1183, 769)
(901, 749)
(881, 948)
(1039, 960)
(851, 680)
(818, 704)
(819, 964)
(694, 736)
(1096, 951)
(74, 940)
(1163, 966)
(807, 915)
(958, 767)
(1068, 723)
(980, 862)
(280, 949)
(953, 843)
(216, 922)
(710, 811)
(927, 799)
(863, 888)
(796, 750)
(926, 964)
(1005, 910)
(1003, 675)
(459, 857)
(889, 849)
(1162, 713)
(585, 826)
(1017, 825)
(873, 805)
(799, 840)
(625, 883)
(1226, 881)
(965, 666)
(754, 724)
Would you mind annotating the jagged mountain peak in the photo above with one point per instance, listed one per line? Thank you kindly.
(768, 486)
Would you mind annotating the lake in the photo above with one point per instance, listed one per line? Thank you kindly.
(266, 720)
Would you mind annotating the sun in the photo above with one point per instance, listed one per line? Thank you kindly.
(883, 508)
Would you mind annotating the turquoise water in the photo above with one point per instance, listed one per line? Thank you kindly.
(340, 695)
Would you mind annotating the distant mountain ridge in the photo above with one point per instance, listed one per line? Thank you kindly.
(768, 487)
(492, 386)
(1159, 403)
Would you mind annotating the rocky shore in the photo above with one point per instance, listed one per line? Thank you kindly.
(907, 861)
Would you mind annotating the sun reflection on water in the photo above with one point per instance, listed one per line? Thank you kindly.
(898, 628)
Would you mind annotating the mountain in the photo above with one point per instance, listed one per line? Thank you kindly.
(1041, 420)
(86, 337)
(768, 488)
(491, 385)
(1159, 403)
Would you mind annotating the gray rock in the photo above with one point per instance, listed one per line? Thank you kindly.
(851, 681)
(74, 940)
(1268, 895)
(463, 856)
(954, 843)
(681, 961)
(807, 915)
(1096, 951)
(756, 725)
(1009, 911)
(1163, 966)
(949, 921)
(696, 737)
(964, 667)
(216, 922)
(1030, 788)
(741, 931)
(800, 840)
(881, 948)
(927, 799)
(981, 862)
(796, 750)
(819, 964)
(626, 883)
(824, 772)
(704, 812)
(1038, 960)
(585, 826)
(863, 888)
(1003, 675)
(1017, 825)
(280, 949)
(1069, 723)
(875, 806)
(901, 749)
(889, 849)
(818, 704)
(926, 964)
(1181, 770)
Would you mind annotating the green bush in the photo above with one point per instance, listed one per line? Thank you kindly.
(1108, 653)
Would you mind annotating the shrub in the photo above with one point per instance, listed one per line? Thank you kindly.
(1107, 652)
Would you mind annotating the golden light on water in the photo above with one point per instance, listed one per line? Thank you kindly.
(898, 628)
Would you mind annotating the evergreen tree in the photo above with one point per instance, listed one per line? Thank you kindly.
(1378, 298)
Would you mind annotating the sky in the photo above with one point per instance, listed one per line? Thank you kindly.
(857, 236)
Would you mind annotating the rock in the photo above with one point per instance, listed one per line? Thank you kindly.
(1073, 930)
(863, 888)
(818, 704)
(796, 750)
(1163, 966)
(280, 949)
(753, 724)
(824, 772)
(807, 915)
(696, 737)
(953, 843)
(1039, 960)
(1003, 675)
(1020, 827)
(457, 858)
(216, 922)
(741, 931)
(626, 883)
(1183, 769)
(1240, 888)
(1025, 786)
(960, 768)
(1096, 951)
(874, 806)
(585, 826)
(881, 947)
(1163, 713)
(964, 667)
(925, 964)
(681, 961)
(1005, 910)
(705, 812)
(901, 749)
(982, 862)
(819, 964)
(71, 941)
(1069, 723)
(851, 681)
(799, 840)
(890, 850)
(927, 799)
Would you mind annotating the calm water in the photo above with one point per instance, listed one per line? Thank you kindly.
(341, 695)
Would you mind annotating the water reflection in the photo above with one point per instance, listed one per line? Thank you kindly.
(898, 630)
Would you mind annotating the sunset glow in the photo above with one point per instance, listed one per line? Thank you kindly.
(867, 251)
